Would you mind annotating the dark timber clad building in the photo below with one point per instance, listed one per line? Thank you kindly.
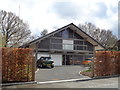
(68, 45)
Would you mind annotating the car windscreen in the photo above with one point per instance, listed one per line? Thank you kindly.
(47, 58)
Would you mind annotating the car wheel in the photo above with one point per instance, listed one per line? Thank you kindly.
(41, 65)
(38, 66)
(52, 66)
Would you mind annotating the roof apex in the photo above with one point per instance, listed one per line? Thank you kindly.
(60, 29)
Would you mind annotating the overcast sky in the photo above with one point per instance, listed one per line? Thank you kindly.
(53, 14)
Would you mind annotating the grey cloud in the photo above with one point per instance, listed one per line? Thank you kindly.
(66, 9)
(28, 3)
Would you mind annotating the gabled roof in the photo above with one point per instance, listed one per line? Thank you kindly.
(72, 27)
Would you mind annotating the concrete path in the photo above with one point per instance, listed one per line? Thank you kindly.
(97, 83)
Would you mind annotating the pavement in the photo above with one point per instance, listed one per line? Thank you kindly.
(60, 73)
(95, 83)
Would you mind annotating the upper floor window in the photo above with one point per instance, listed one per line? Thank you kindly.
(67, 33)
(76, 36)
(59, 34)
(78, 42)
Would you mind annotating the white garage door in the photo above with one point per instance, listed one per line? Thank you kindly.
(57, 59)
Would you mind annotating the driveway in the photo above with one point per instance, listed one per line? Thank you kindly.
(59, 73)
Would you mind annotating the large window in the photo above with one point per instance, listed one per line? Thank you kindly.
(67, 33)
(76, 36)
(56, 43)
(44, 44)
(72, 59)
(78, 42)
(78, 59)
(58, 34)
(89, 46)
(77, 47)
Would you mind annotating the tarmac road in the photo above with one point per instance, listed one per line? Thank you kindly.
(59, 73)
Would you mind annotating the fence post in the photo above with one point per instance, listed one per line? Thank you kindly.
(36, 55)
(93, 61)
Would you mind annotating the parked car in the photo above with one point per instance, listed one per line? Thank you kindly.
(87, 61)
(45, 62)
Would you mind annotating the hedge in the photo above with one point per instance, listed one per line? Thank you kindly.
(107, 63)
(18, 65)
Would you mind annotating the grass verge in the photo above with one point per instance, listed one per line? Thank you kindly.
(87, 73)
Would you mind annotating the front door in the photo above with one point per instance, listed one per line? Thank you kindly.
(67, 60)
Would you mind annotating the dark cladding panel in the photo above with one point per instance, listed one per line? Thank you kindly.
(55, 40)
(56, 46)
(89, 46)
(44, 44)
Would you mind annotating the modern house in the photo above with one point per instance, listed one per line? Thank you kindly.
(68, 45)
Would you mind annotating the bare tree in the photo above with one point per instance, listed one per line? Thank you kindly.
(105, 37)
(14, 30)
(44, 32)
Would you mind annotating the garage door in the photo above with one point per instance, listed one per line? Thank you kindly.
(57, 59)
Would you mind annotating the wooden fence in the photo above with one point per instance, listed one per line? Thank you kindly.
(107, 63)
(17, 65)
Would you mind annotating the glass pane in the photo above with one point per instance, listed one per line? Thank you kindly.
(58, 34)
(76, 36)
(65, 34)
(78, 59)
(67, 47)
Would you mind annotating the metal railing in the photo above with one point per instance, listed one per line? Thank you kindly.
(68, 46)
